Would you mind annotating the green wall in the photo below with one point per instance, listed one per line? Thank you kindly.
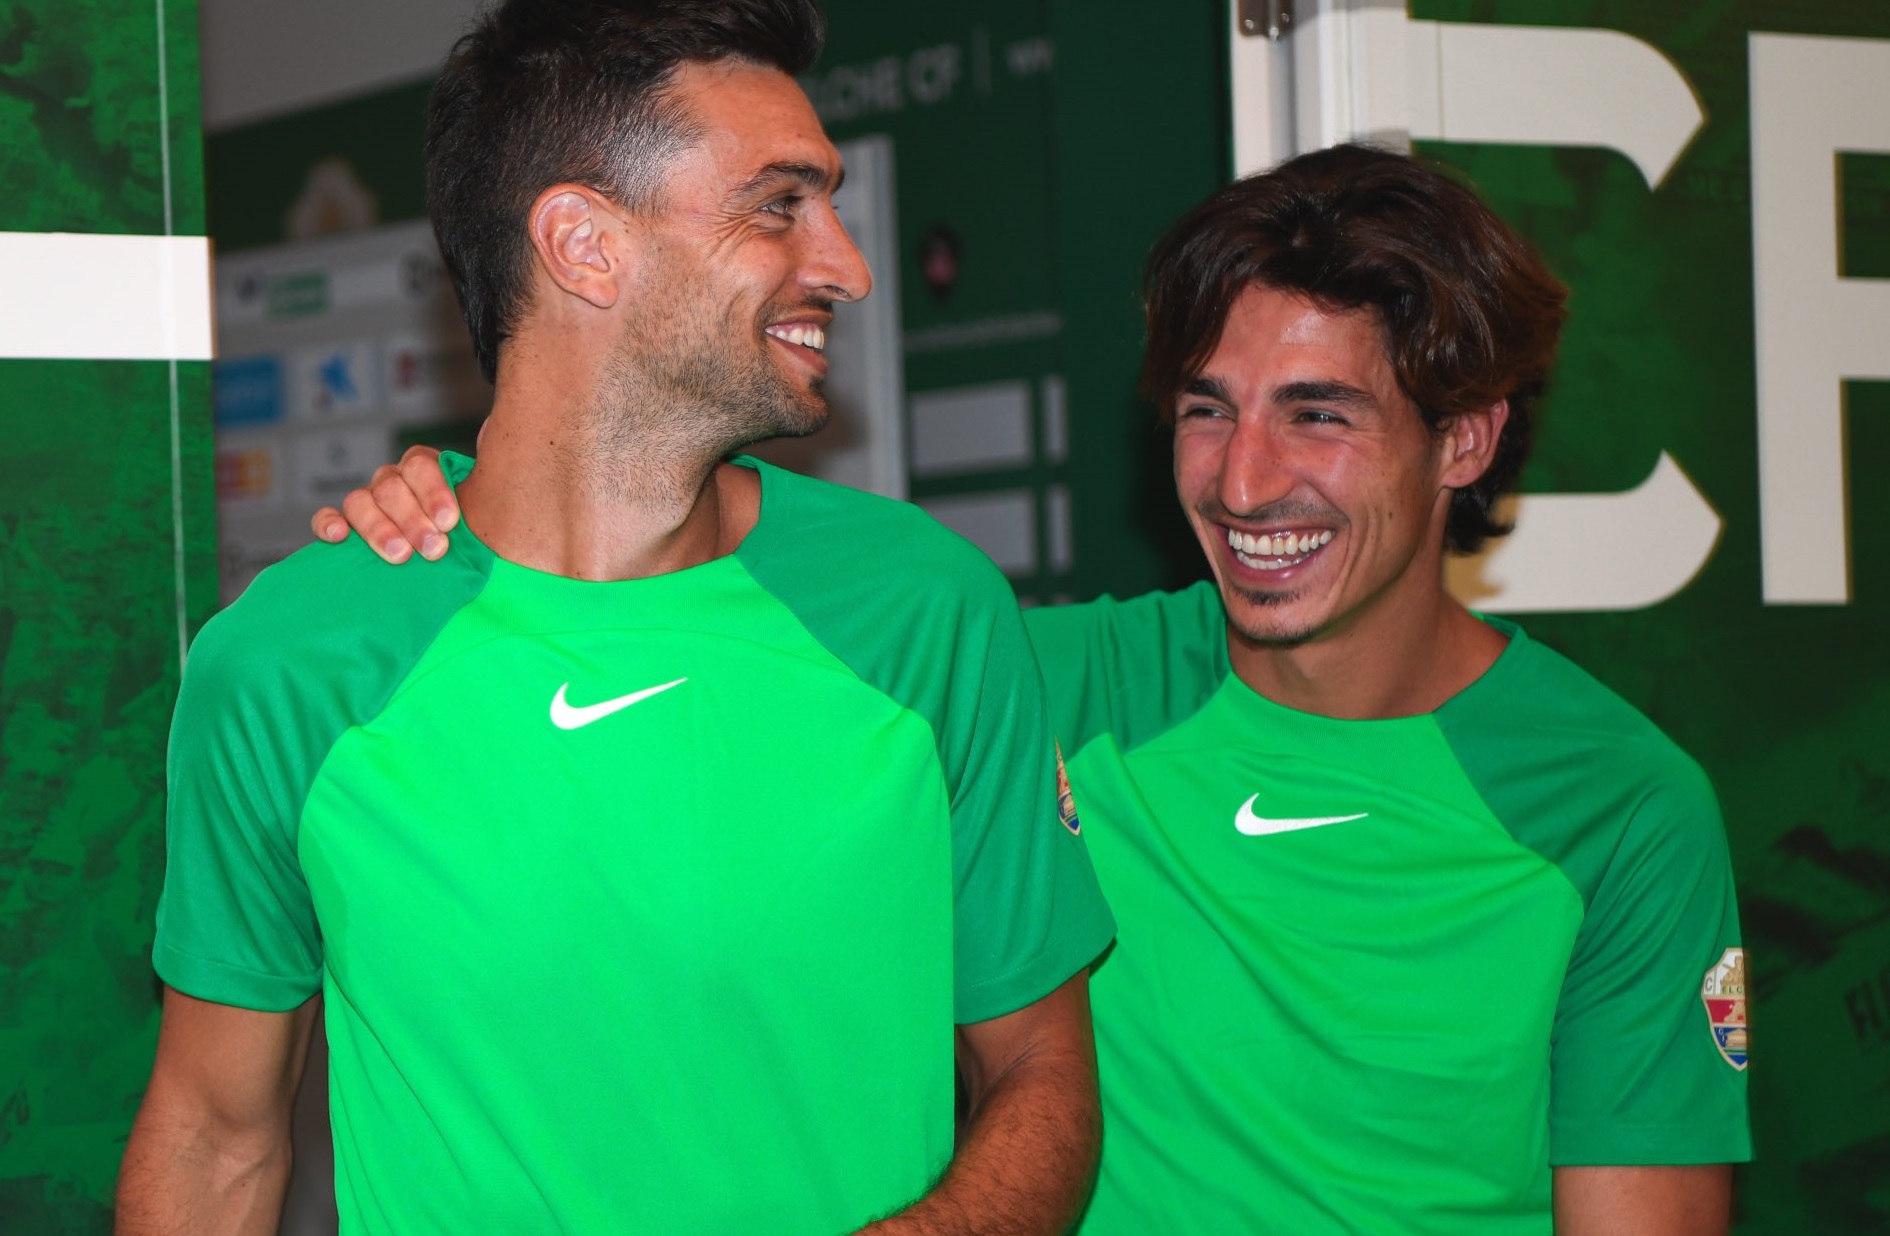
(1788, 707)
(105, 553)
(1056, 171)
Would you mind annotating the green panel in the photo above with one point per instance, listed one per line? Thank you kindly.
(1864, 207)
(82, 99)
(1142, 134)
(965, 91)
(258, 171)
(972, 139)
(1061, 151)
(1787, 707)
(104, 554)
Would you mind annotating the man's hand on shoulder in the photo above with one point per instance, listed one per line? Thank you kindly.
(403, 506)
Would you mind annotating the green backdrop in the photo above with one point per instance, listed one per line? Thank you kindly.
(102, 561)
(1055, 139)
(1788, 707)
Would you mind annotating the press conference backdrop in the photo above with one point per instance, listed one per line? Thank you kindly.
(106, 563)
(1039, 149)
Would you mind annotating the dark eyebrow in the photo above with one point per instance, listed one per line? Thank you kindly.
(811, 175)
(1324, 392)
(1209, 388)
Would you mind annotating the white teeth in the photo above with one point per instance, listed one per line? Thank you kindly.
(801, 335)
(1276, 552)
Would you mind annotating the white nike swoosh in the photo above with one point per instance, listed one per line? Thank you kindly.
(1255, 826)
(568, 717)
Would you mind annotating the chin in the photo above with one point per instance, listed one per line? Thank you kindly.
(808, 416)
(1268, 618)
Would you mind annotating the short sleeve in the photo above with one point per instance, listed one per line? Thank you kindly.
(937, 629)
(1027, 911)
(235, 922)
(1129, 669)
(313, 646)
(1648, 1063)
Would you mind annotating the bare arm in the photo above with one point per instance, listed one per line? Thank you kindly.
(1643, 1201)
(1028, 1155)
(209, 1152)
(403, 506)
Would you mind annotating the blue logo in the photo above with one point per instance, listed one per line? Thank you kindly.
(247, 391)
(338, 381)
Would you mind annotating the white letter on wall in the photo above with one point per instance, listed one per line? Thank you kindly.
(1811, 98)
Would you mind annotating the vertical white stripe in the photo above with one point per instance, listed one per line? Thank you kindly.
(170, 329)
(164, 115)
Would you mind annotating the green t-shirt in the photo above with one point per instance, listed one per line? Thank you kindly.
(1380, 976)
(644, 906)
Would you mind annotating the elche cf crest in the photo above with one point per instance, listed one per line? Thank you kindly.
(1724, 993)
(1066, 801)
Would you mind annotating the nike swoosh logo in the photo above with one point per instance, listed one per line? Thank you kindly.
(567, 716)
(1256, 826)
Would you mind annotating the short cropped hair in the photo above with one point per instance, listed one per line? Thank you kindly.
(1469, 312)
(541, 92)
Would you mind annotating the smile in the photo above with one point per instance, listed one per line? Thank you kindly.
(800, 334)
(1277, 551)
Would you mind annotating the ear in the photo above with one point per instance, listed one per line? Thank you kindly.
(581, 244)
(1469, 444)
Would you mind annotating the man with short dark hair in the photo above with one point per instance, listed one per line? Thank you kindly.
(1423, 930)
(649, 858)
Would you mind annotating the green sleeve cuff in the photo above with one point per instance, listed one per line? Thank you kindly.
(225, 984)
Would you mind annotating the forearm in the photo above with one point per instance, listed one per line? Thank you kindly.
(1643, 1201)
(1025, 1164)
(183, 1175)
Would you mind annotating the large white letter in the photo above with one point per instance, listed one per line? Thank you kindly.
(1580, 552)
(155, 302)
(1811, 98)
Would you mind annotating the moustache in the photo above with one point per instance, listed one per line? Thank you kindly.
(1284, 511)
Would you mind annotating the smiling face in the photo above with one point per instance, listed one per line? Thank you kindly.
(1314, 486)
(745, 257)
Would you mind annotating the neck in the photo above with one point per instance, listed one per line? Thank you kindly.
(597, 494)
(1386, 665)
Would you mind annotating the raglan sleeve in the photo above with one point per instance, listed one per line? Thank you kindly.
(235, 922)
(1027, 911)
(1648, 1062)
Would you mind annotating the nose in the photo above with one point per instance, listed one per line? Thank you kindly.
(835, 266)
(1255, 470)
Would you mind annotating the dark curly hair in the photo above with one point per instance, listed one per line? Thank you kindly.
(1469, 312)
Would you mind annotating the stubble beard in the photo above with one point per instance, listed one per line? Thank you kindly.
(681, 393)
(695, 370)
(1275, 635)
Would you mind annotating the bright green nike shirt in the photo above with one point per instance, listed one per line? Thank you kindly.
(1380, 976)
(636, 907)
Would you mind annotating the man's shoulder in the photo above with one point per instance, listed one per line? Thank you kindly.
(1544, 693)
(840, 538)
(1188, 622)
(1129, 668)
(1564, 758)
(327, 610)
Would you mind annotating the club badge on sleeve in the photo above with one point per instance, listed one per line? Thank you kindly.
(1724, 993)
(1066, 801)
